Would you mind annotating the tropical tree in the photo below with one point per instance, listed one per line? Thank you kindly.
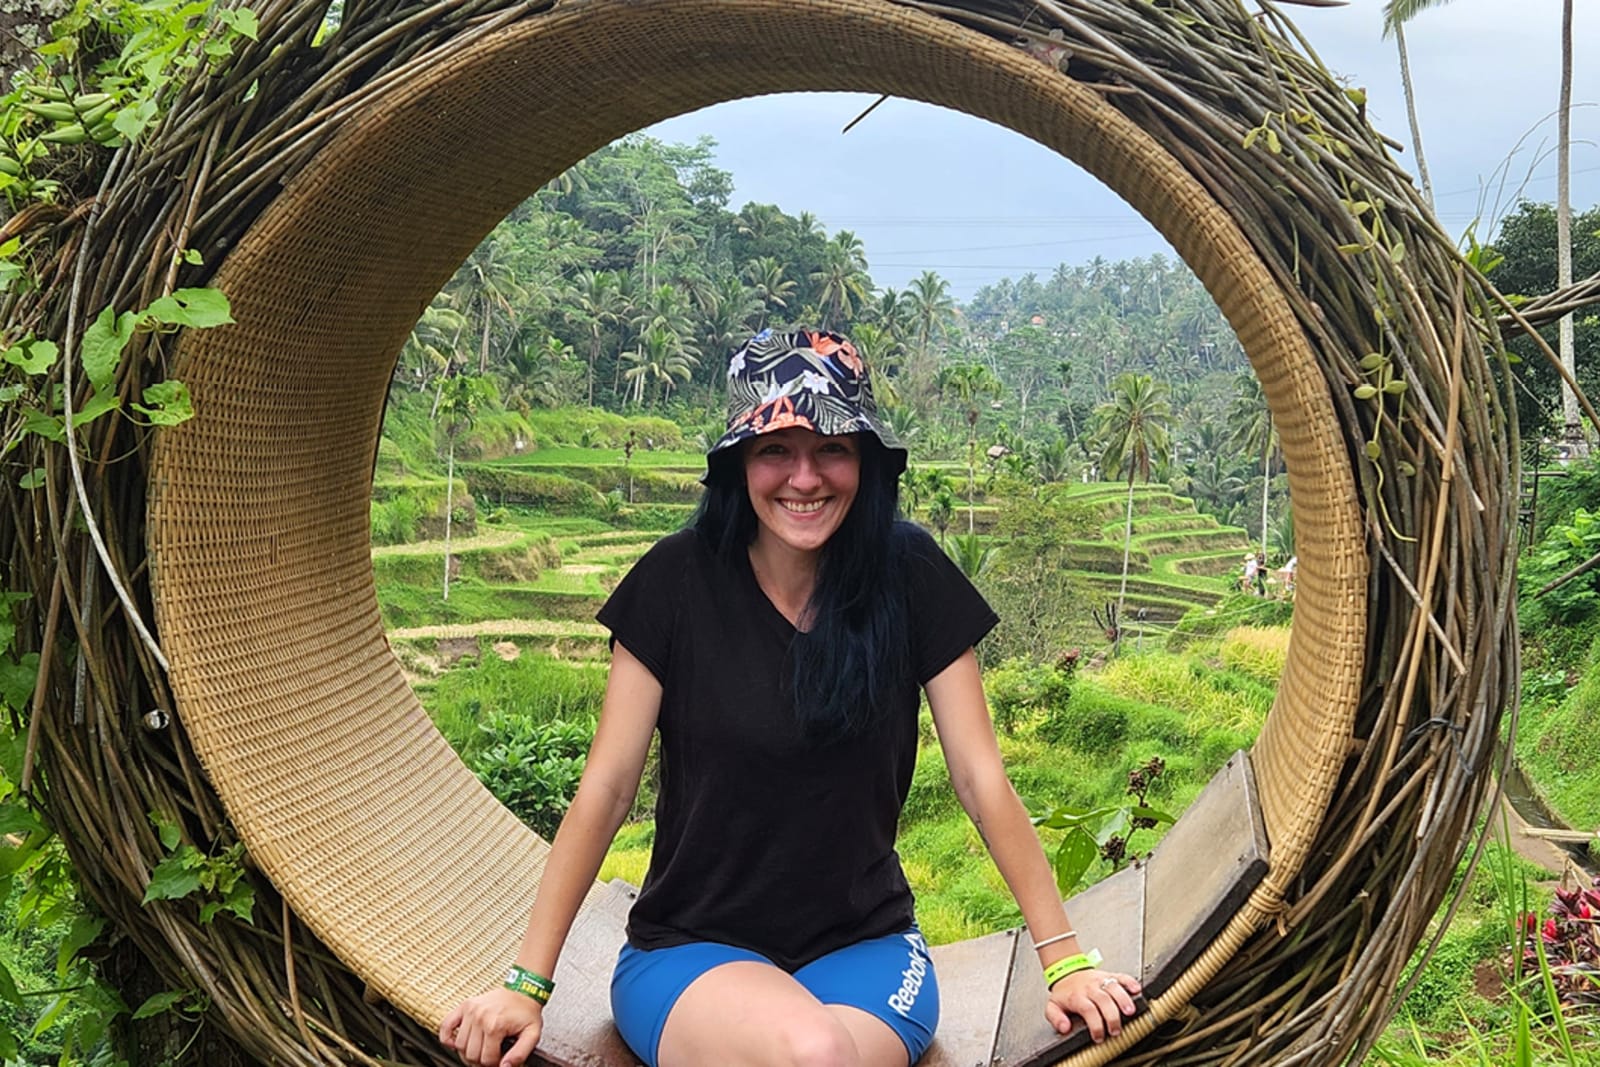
(485, 290)
(772, 288)
(1251, 431)
(969, 384)
(661, 356)
(842, 281)
(1398, 12)
(1394, 22)
(932, 310)
(598, 303)
(1132, 429)
(458, 399)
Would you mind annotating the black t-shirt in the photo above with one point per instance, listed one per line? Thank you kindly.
(765, 839)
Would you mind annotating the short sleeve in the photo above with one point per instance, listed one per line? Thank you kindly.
(642, 611)
(948, 614)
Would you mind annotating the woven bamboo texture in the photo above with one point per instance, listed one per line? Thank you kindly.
(1372, 762)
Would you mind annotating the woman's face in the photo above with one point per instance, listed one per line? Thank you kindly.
(801, 484)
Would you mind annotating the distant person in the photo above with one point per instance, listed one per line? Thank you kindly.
(1247, 581)
(779, 646)
(1259, 573)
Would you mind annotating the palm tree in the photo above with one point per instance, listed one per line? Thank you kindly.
(661, 356)
(1250, 430)
(880, 350)
(842, 280)
(932, 309)
(599, 303)
(1398, 12)
(726, 306)
(765, 276)
(970, 383)
(485, 290)
(1132, 429)
(1396, 25)
(456, 404)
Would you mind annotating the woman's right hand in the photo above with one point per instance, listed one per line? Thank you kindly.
(477, 1028)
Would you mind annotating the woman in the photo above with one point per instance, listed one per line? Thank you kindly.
(778, 644)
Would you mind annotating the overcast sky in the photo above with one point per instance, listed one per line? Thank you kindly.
(937, 190)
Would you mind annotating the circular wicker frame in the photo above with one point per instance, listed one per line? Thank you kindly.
(1371, 765)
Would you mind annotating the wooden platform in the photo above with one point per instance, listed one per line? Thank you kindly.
(1151, 920)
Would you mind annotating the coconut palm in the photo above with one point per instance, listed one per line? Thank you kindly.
(842, 280)
(1132, 429)
(1251, 431)
(932, 310)
(969, 384)
(1398, 12)
(598, 303)
(772, 289)
(661, 356)
(457, 401)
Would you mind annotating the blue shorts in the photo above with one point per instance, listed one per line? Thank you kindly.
(890, 978)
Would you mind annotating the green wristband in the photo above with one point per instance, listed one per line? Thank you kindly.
(1083, 961)
(521, 980)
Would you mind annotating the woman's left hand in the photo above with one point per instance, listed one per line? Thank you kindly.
(1101, 998)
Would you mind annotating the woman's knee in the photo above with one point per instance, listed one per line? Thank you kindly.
(814, 1039)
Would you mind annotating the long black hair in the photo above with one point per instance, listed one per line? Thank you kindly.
(852, 665)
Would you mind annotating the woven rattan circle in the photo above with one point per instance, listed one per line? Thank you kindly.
(258, 530)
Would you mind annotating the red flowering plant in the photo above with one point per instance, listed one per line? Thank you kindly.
(1570, 938)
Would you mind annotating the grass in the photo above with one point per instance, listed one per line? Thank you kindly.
(532, 686)
(606, 457)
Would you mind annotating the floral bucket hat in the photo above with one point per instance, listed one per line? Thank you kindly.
(813, 379)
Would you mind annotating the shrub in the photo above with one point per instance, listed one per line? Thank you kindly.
(1020, 689)
(533, 768)
(1091, 721)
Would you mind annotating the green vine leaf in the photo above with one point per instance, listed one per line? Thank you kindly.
(161, 1003)
(83, 932)
(199, 308)
(32, 480)
(176, 876)
(33, 356)
(103, 343)
(166, 403)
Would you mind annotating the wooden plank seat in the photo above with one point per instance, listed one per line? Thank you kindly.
(1150, 919)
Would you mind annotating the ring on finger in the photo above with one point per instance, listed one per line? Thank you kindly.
(1107, 983)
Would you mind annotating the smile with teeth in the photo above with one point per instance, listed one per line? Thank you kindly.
(804, 507)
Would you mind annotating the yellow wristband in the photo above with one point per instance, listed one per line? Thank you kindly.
(1083, 961)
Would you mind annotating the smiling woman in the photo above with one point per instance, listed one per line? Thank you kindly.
(343, 211)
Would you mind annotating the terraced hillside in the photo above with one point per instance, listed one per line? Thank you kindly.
(543, 537)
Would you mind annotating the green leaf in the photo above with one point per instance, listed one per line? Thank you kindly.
(167, 830)
(243, 20)
(103, 343)
(199, 308)
(15, 818)
(33, 356)
(174, 877)
(1353, 248)
(32, 480)
(1395, 387)
(1373, 360)
(1397, 253)
(50, 427)
(10, 392)
(102, 401)
(193, 257)
(167, 403)
(1073, 857)
(1372, 450)
(159, 1003)
(8, 988)
(8, 1044)
(84, 930)
(17, 679)
(1250, 138)
(1139, 811)
(241, 900)
(1366, 392)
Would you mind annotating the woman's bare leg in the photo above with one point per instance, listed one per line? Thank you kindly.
(749, 1014)
(876, 1043)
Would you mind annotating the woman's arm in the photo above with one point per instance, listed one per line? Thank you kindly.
(961, 716)
(476, 1028)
